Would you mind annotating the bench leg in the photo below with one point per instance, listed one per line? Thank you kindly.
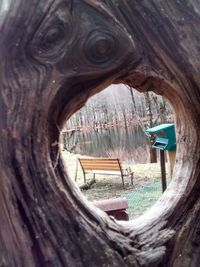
(94, 176)
(123, 181)
(84, 177)
(131, 178)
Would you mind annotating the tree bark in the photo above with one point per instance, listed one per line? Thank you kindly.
(150, 124)
(54, 55)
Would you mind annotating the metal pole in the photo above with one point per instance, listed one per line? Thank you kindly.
(163, 172)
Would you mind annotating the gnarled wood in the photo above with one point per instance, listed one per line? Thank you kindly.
(54, 55)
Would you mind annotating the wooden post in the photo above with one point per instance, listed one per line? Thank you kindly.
(171, 157)
(163, 171)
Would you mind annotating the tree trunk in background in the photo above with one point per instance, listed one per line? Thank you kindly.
(150, 124)
(137, 114)
(54, 55)
(149, 113)
(161, 108)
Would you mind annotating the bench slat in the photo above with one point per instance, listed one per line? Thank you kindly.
(105, 172)
(102, 168)
(96, 166)
(99, 161)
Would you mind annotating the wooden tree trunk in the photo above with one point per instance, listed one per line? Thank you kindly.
(149, 115)
(54, 55)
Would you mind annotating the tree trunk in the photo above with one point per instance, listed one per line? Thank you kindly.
(54, 55)
(150, 124)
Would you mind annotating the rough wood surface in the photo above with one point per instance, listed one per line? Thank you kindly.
(54, 55)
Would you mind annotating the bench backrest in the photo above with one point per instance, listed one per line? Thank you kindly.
(100, 164)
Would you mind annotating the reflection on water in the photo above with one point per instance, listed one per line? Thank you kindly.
(128, 143)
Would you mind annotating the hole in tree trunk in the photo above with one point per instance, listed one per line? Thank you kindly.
(112, 124)
(165, 206)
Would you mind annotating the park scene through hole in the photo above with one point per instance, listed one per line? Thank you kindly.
(114, 124)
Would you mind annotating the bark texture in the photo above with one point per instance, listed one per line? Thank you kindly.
(54, 55)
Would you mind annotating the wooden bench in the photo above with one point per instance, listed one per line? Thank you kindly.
(108, 166)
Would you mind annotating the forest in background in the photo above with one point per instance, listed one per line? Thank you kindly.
(121, 105)
(118, 106)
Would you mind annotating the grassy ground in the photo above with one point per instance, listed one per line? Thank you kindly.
(146, 188)
(142, 198)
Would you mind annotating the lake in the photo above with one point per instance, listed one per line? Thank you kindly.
(130, 144)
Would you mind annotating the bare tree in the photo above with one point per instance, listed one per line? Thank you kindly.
(150, 124)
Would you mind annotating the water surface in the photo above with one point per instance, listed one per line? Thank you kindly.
(130, 144)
